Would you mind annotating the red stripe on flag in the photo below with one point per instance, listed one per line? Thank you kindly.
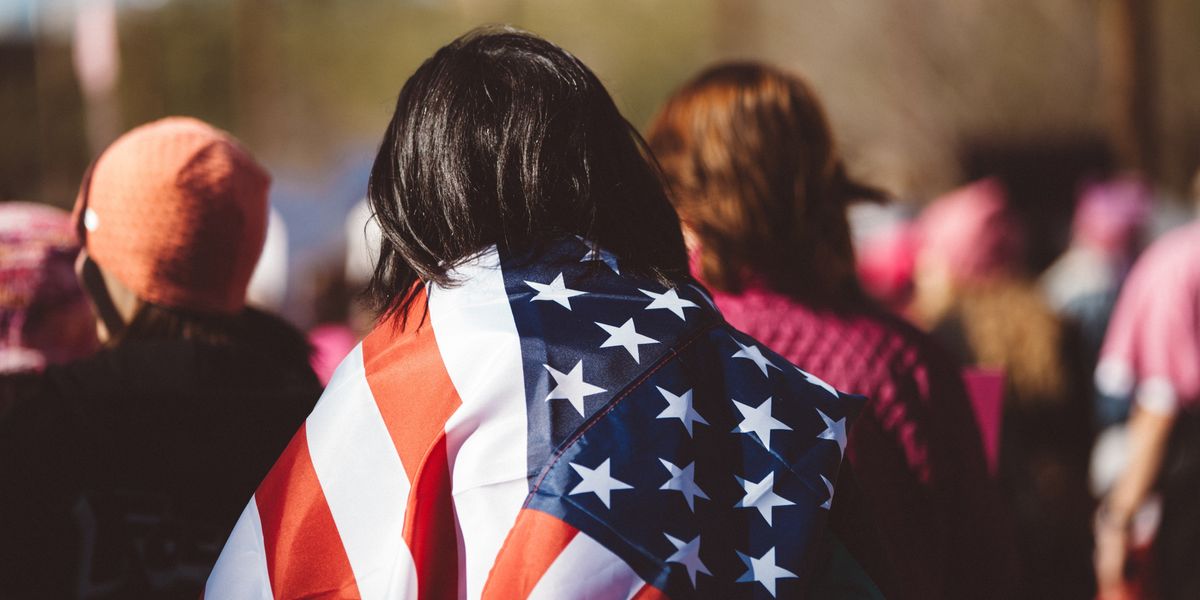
(649, 592)
(429, 527)
(411, 386)
(416, 397)
(531, 547)
(305, 556)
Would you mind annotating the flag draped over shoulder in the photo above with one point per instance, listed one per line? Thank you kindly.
(549, 428)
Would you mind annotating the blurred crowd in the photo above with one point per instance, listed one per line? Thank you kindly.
(1030, 432)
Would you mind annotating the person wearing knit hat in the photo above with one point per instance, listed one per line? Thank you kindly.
(967, 237)
(175, 213)
(189, 401)
(1082, 284)
(44, 317)
(973, 294)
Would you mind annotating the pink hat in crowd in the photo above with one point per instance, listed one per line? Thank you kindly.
(972, 232)
(1110, 214)
(886, 262)
(176, 210)
(37, 284)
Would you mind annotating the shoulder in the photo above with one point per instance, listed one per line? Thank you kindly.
(113, 370)
(910, 345)
(1172, 262)
(1159, 284)
(1181, 243)
(1158, 309)
(860, 337)
(719, 438)
(874, 351)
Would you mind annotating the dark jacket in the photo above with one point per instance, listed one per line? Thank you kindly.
(122, 474)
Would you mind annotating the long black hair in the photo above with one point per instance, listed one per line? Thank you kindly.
(504, 138)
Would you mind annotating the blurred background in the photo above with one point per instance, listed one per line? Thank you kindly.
(923, 94)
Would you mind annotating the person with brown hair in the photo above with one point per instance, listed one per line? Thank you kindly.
(165, 431)
(762, 193)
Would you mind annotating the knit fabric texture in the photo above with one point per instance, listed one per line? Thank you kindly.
(176, 210)
(972, 233)
(37, 256)
(37, 286)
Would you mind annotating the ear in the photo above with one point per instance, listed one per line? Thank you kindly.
(110, 321)
(124, 299)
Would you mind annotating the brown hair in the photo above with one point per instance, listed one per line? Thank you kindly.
(751, 166)
(1008, 326)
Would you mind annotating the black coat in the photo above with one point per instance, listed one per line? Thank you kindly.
(122, 474)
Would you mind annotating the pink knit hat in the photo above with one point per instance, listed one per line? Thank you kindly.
(38, 289)
(176, 210)
(973, 232)
(886, 262)
(1111, 214)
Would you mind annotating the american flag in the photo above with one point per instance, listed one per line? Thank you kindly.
(549, 428)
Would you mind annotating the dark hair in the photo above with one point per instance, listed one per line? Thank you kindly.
(753, 170)
(251, 329)
(504, 138)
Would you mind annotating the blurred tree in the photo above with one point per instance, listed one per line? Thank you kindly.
(62, 142)
(176, 59)
(1127, 48)
(309, 82)
(19, 158)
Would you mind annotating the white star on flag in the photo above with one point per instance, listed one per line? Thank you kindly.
(817, 381)
(680, 407)
(627, 337)
(828, 488)
(597, 481)
(555, 291)
(763, 570)
(669, 300)
(834, 431)
(753, 354)
(594, 254)
(688, 555)
(684, 481)
(761, 496)
(758, 420)
(571, 386)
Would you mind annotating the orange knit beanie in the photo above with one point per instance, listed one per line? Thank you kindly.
(176, 210)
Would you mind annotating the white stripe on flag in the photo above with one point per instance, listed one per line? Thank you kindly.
(486, 436)
(586, 569)
(364, 482)
(241, 570)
